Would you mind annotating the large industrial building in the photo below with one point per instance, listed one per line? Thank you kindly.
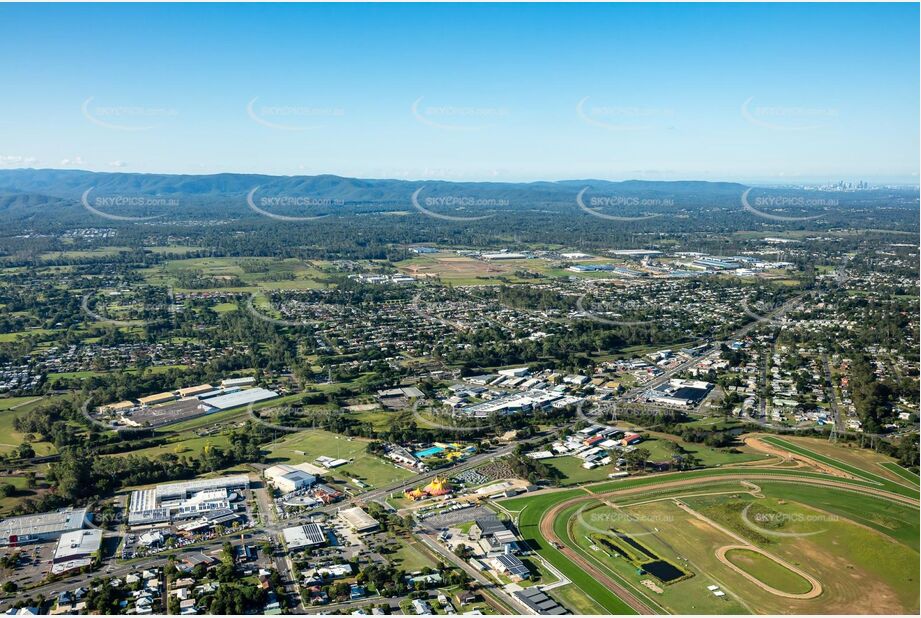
(41, 526)
(76, 550)
(185, 500)
(711, 263)
(504, 255)
(635, 253)
(289, 478)
(679, 393)
(511, 403)
(185, 403)
(240, 398)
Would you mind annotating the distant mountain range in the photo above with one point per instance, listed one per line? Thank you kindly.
(30, 195)
(72, 183)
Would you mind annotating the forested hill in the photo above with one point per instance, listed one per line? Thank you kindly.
(72, 183)
(35, 199)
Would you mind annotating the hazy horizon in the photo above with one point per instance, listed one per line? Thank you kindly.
(763, 183)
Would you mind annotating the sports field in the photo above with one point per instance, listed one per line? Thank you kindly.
(305, 446)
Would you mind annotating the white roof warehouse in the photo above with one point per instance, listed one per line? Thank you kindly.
(240, 398)
(40, 527)
(75, 550)
(358, 519)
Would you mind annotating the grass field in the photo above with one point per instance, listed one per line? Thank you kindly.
(54, 378)
(410, 557)
(10, 439)
(895, 468)
(854, 455)
(657, 444)
(78, 255)
(272, 274)
(184, 445)
(900, 522)
(36, 332)
(19, 403)
(835, 545)
(573, 599)
(172, 249)
(712, 472)
(379, 419)
(307, 445)
(573, 472)
(836, 462)
(462, 270)
(22, 492)
(768, 571)
(687, 596)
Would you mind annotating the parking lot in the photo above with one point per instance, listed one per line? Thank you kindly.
(34, 562)
(453, 518)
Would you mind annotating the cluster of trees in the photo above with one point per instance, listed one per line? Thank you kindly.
(197, 280)
(389, 521)
(388, 580)
(531, 469)
(81, 474)
(872, 398)
(235, 599)
(525, 297)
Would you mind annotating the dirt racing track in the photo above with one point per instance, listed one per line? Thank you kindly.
(815, 591)
(636, 601)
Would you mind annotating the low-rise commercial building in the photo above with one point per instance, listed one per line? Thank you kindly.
(289, 478)
(232, 382)
(191, 391)
(151, 400)
(75, 550)
(41, 526)
(511, 566)
(308, 535)
(358, 520)
(538, 602)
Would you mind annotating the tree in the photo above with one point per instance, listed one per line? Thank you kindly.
(462, 551)
(25, 451)
(637, 458)
(227, 553)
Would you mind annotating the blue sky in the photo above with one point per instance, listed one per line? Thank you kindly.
(757, 93)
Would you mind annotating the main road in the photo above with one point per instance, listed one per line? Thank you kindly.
(283, 563)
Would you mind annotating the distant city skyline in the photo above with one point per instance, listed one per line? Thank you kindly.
(762, 93)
